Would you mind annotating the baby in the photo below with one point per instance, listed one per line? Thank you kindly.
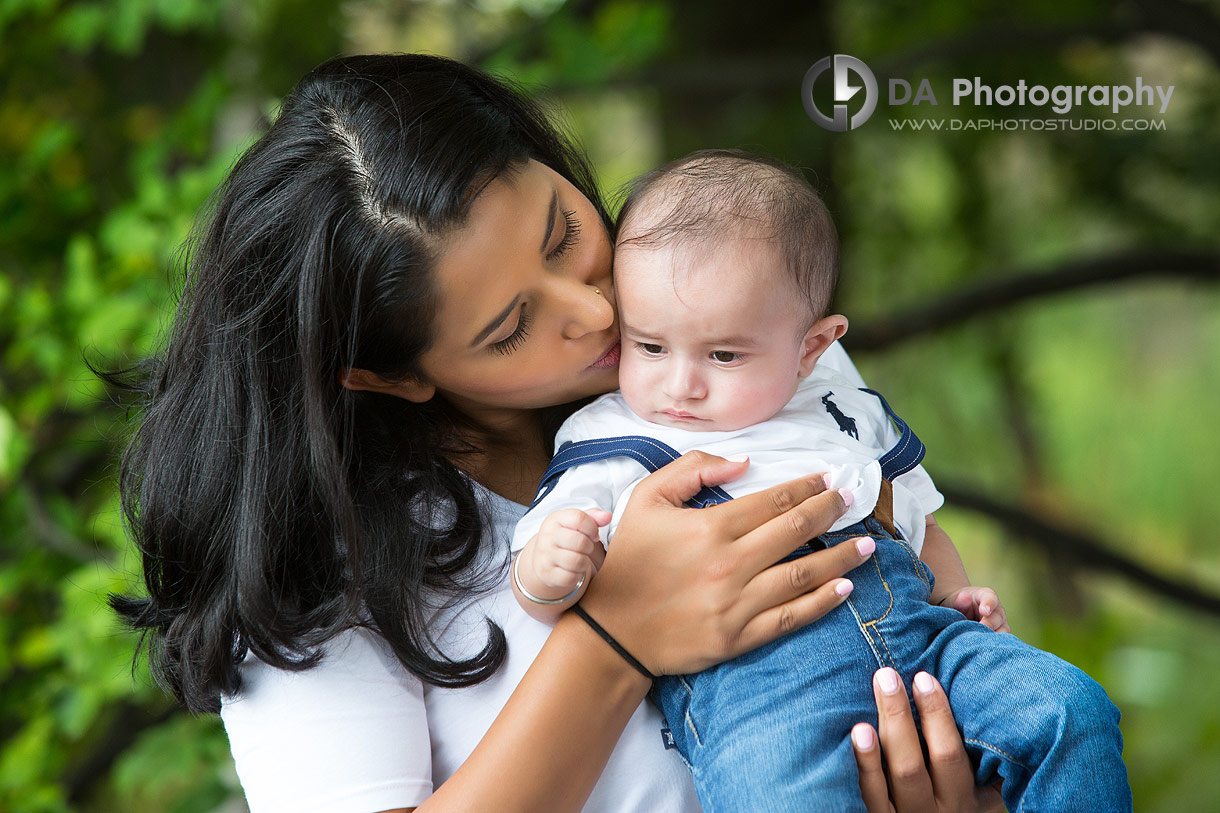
(724, 267)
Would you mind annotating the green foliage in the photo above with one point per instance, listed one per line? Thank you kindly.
(110, 143)
(119, 118)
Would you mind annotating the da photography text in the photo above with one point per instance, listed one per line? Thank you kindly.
(855, 96)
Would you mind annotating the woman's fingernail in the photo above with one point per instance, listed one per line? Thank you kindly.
(865, 545)
(847, 496)
(863, 738)
(887, 679)
(844, 588)
(737, 458)
(826, 480)
(924, 684)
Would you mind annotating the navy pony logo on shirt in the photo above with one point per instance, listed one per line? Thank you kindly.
(845, 423)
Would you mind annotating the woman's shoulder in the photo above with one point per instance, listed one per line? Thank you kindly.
(353, 728)
(356, 654)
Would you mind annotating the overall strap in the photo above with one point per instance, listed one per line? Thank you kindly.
(906, 453)
(650, 453)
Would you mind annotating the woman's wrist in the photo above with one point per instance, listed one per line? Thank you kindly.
(619, 678)
(613, 643)
(567, 713)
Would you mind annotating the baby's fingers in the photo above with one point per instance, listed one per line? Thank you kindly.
(997, 620)
(582, 522)
(600, 516)
(986, 600)
(964, 603)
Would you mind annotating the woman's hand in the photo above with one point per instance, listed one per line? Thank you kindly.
(945, 782)
(684, 589)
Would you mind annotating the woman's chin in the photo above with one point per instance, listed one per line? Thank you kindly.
(593, 383)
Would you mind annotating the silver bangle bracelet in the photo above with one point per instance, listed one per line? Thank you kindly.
(535, 599)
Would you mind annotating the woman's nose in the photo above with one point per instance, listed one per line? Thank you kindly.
(586, 308)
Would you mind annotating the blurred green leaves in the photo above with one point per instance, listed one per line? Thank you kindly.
(117, 121)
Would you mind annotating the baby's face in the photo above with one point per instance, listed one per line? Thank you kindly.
(712, 338)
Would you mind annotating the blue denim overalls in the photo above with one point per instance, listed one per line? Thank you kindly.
(769, 730)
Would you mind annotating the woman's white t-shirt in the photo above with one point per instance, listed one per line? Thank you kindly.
(358, 733)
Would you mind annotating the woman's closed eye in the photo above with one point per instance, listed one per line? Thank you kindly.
(514, 340)
(571, 234)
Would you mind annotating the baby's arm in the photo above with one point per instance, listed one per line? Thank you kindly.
(557, 542)
(953, 587)
(553, 570)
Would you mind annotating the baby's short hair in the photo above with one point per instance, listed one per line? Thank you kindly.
(712, 194)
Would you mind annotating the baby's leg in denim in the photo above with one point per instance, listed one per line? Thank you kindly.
(1033, 719)
(770, 730)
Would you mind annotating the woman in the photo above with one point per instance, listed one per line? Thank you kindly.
(403, 286)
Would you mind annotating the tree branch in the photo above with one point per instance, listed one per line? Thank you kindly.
(1081, 549)
(995, 293)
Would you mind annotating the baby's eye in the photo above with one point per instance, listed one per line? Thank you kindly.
(650, 349)
(724, 356)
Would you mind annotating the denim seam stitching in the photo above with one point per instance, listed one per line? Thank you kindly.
(888, 592)
(883, 616)
(690, 723)
(885, 644)
(998, 750)
(862, 625)
(1003, 754)
(915, 561)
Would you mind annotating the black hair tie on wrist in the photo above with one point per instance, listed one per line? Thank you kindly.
(608, 638)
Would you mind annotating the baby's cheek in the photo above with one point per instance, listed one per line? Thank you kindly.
(752, 402)
(633, 382)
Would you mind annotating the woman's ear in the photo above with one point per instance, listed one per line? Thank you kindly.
(361, 380)
(824, 332)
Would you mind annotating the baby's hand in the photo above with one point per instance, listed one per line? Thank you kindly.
(979, 604)
(565, 550)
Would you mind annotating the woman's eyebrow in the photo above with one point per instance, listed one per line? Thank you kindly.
(495, 323)
(550, 220)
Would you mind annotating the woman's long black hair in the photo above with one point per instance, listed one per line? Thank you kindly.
(272, 507)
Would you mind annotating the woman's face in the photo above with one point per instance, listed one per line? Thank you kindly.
(521, 324)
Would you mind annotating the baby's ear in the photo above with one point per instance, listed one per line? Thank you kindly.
(361, 380)
(824, 332)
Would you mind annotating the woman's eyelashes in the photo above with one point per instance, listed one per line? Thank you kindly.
(571, 233)
(514, 340)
